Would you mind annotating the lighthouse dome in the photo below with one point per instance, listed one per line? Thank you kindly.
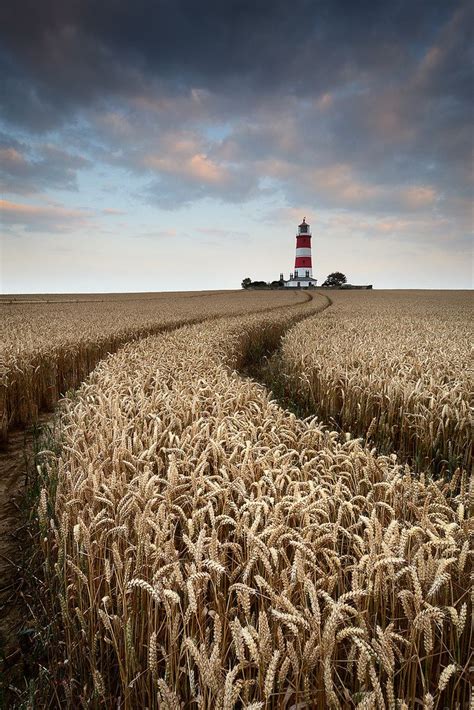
(303, 228)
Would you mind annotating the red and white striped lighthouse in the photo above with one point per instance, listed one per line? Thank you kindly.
(303, 275)
(303, 264)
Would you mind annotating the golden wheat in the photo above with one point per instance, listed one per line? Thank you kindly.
(210, 549)
(49, 345)
(392, 367)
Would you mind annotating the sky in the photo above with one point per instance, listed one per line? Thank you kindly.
(154, 145)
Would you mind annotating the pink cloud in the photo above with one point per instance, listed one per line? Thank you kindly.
(12, 157)
(183, 155)
(39, 218)
(112, 211)
(418, 196)
(325, 101)
(446, 43)
(339, 181)
(202, 167)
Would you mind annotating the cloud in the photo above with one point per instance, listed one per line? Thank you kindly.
(355, 106)
(325, 101)
(165, 234)
(26, 169)
(184, 167)
(418, 196)
(121, 48)
(198, 167)
(112, 211)
(339, 184)
(40, 218)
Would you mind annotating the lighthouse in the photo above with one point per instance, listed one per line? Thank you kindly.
(302, 277)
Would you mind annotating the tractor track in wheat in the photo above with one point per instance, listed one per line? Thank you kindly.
(17, 463)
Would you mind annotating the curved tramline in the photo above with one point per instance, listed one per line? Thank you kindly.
(50, 345)
(390, 366)
(206, 548)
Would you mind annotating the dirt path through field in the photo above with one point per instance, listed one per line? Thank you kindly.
(13, 466)
(15, 462)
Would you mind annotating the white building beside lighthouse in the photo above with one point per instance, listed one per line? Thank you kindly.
(302, 277)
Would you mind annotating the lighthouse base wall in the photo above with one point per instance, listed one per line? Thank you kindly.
(300, 283)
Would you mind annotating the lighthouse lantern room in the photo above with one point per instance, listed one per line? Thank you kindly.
(302, 277)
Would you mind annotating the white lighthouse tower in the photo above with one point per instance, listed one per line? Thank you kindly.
(303, 273)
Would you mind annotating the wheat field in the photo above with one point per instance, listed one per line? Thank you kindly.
(49, 344)
(394, 367)
(205, 547)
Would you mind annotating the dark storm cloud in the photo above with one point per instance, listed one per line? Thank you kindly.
(59, 56)
(362, 106)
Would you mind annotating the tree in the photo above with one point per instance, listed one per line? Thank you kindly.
(335, 279)
(246, 282)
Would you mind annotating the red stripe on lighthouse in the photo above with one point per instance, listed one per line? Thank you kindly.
(302, 261)
(303, 241)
